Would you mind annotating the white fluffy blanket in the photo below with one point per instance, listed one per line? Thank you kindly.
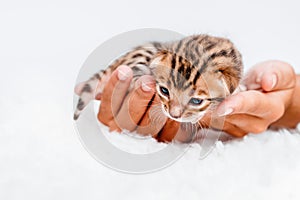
(43, 45)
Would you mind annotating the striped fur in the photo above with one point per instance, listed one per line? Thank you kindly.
(198, 72)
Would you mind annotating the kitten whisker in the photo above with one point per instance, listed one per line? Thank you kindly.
(184, 71)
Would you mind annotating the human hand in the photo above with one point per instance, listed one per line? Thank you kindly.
(271, 86)
(119, 110)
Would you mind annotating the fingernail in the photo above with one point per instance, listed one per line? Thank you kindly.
(145, 87)
(123, 73)
(258, 79)
(225, 112)
(274, 81)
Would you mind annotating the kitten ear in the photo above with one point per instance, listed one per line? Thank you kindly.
(158, 60)
(230, 76)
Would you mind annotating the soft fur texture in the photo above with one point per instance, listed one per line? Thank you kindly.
(196, 73)
(42, 49)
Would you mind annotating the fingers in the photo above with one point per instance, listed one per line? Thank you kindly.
(118, 85)
(120, 110)
(254, 103)
(251, 111)
(239, 125)
(278, 76)
(242, 124)
(169, 131)
(136, 103)
(250, 102)
(252, 78)
(154, 119)
(270, 76)
(234, 130)
(224, 123)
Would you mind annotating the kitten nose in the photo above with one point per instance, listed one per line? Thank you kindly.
(175, 112)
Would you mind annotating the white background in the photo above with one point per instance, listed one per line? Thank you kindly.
(42, 47)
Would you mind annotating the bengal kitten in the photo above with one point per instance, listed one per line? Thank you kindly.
(192, 75)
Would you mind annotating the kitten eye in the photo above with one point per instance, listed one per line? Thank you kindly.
(164, 90)
(196, 101)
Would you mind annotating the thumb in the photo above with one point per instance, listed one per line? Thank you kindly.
(278, 76)
(270, 76)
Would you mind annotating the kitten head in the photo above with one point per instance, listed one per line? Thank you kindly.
(190, 80)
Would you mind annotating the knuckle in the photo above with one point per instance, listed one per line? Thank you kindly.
(139, 94)
(280, 109)
(249, 101)
(124, 124)
(102, 119)
(240, 99)
(259, 128)
(234, 131)
(240, 133)
(290, 71)
(288, 67)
